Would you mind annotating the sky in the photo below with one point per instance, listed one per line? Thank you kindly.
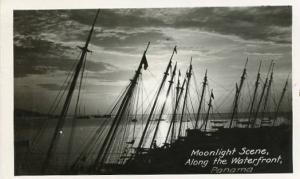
(217, 39)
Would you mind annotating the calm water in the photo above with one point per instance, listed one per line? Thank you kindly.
(29, 156)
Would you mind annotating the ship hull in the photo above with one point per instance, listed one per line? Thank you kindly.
(236, 150)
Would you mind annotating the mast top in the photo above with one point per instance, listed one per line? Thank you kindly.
(270, 68)
(174, 51)
(246, 62)
(147, 47)
(273, 67)
(95, 19)
(91, 31)
(190, 70)
(288, 76)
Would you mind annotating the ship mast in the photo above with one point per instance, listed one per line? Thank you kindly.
(188, 75)
(267, 94)
(179, 92)
(201, 99)
(100, 159)
(66, 105)
(254, 94)
(163, 107)
(209, 107)
(280, 100)
(261, 96)
(237, 96)
(156, 99)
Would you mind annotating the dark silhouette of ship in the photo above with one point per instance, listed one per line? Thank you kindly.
(182, 150)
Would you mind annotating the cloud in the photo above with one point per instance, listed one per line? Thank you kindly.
(112, 76)
(51, 86)
(247, 22)
(43, 39)
(118, 40)
(217, 38)
(38, 56)
(116, 17)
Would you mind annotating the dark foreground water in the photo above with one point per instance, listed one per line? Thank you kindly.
(33, 134)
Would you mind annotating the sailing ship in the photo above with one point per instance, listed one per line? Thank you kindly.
(128, 141)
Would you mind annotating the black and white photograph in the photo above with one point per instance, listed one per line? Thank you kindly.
(148, 89)
(202, 90)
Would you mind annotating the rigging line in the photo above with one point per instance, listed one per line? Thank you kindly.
(196, 86)
(244, 96)
(98, 138)
(153, 97)
(118, 100)
(73, 120)
(213, 117)
(218, 84)
(71, 72)
(84, 86)
(89, 143)
(133, 105)
(99, 132)
(274, 96)
(152, 90)
(152, 75)
(118, 145)
(64, 111)
(217, 112)
(136, 108)
(60, 94)
(190, 118)
(80, 87)
(101, 156)
(207, 92)
(274, 102)
(121, 145)
(194, 114)
(249, 94)
(64, 91)
(153, 120)
(275, 93)
(224, 99)
(136, 99)
(205, 96)
(67, 82)
(149, 95)
(142, 87)
(44, 125)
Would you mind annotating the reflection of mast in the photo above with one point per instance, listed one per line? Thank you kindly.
(163, 107)
(201, 99)
(280, 100)
(261, 96)
(209, 107)
(254, 94)
(188, 75)
(62, 117)
(237, 96)
(156, 99)
(179, 92)
(100, 159)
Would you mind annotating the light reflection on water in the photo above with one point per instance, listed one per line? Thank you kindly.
(84, 131)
